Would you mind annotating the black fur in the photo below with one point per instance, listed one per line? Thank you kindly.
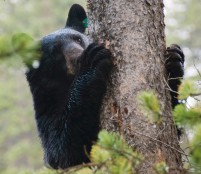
(68, 88)
(67, 100)
(175, 69)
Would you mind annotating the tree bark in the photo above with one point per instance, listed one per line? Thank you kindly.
(134, 32)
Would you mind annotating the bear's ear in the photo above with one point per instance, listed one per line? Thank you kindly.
(77, 18)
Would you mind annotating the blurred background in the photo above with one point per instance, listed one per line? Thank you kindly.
(20, 148)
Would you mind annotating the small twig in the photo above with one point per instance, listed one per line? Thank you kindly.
(160, 142)
(121, 152)
(176, 78)
(78, 167)
(196, 68)
(195, 95)
(169, 87)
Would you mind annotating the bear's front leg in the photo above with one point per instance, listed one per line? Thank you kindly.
(85, 100)
(96, 58)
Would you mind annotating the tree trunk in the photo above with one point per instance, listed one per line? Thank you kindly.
(134, 32)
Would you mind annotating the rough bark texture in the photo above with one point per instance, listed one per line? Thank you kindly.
(134, 31)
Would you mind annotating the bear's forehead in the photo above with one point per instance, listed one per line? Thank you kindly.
(63, 34)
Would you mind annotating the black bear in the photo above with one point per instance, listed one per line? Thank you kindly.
(175, 69)
(68, 88)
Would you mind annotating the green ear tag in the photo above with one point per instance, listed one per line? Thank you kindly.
(85, 22)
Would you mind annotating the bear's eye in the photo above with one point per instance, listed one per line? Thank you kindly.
(77, 39)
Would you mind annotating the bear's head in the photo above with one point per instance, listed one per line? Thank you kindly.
(61, 50)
